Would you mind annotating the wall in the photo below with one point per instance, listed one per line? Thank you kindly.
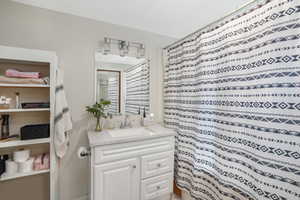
(75, 40)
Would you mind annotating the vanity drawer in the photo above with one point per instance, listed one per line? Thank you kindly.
(155, 187)
(114, 152)
(156, 164)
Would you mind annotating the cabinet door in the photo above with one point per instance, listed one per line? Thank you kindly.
(117, 180)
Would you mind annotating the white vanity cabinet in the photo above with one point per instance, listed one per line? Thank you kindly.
(117, 180)
(141, 169)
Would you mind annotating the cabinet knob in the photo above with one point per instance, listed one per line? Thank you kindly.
(158, 165)
(158, 187)
(133, 166)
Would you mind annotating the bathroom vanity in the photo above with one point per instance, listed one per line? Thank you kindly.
(132, 164)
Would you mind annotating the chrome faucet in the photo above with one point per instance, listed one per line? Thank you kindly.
(126, 123)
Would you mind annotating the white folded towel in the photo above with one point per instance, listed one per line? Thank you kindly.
(62, 118)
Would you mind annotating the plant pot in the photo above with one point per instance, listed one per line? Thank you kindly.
(98, 125)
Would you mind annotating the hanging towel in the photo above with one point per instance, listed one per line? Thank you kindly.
(62, 119)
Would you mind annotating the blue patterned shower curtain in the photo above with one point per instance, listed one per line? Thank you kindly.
(232, 93)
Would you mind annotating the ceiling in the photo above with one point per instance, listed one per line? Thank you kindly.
(173, 18)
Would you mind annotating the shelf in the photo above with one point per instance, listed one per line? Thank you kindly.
(20, 175)
(24, 110)
(24, 85)
(16, 143)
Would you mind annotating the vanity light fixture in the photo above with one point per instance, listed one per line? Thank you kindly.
(124, 47)
(106, 46)
(141, 51)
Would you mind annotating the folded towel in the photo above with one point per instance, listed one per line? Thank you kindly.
(41, 162)
(18, 74)
(8, 80)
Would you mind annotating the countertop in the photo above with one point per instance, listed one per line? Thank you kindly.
(116, 136)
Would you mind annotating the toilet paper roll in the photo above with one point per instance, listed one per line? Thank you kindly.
(26, 166)
(21, 156)
(11, 167)
(83, 152)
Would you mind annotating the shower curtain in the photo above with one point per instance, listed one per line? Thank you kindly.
(232, 94)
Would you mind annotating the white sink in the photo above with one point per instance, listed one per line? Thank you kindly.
(129, 132)
(156, 128)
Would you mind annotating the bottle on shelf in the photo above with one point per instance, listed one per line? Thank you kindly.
(18, 105)
(4, 126)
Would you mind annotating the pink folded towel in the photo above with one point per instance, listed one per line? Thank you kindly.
(18, 74)
(41, 162)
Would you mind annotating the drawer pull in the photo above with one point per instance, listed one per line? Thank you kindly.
(158, 165)
(134, 166)
(158, 187)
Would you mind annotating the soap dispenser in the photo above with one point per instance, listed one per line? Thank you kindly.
(139, 111)
(144, 113)
(143, 116)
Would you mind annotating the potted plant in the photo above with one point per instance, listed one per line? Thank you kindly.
(98, 111)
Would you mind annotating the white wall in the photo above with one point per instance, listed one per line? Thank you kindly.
(75, 40)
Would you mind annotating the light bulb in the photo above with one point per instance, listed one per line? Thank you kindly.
(124, 48)
(106, 46)
(141, 51)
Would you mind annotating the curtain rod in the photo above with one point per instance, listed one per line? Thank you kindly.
(214, 22)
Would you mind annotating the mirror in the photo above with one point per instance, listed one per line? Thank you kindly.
(108, 87)
(125, 81)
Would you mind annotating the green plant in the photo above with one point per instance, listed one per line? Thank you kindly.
(98, 111)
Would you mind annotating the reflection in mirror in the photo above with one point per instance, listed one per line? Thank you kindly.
(108, 85)
(125, 81)
(137, 88)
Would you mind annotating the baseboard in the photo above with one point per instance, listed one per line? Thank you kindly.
(86, 197)
(167, 197)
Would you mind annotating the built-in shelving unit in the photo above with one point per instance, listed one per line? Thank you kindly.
(44, 62)
(16, 143)
(24, 110)
(20, 175)
(24, 85)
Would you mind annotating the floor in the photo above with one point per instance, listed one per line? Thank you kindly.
(176, 197)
